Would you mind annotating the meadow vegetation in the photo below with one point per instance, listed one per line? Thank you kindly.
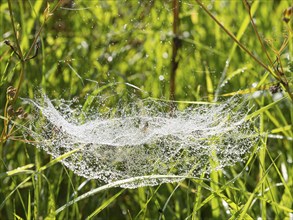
(183, 53)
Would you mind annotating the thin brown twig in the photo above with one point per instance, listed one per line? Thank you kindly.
(7, 42)
(175, 48)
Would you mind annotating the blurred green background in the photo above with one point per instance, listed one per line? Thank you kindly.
(111, 48)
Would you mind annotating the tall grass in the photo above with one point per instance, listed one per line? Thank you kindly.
(100, 48)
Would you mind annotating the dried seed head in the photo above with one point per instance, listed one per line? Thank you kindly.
(10, 111)
(7, 42)
(19, 111)
(11, 91)
(287, 14)
(24, 115)
(275, 88)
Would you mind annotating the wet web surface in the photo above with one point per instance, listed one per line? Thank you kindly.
(142, 139)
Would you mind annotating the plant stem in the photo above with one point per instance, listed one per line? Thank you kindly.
(14, 30)
(175, 47)
(40, 30)
(247, 6)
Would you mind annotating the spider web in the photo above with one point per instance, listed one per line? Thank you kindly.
(143, 139)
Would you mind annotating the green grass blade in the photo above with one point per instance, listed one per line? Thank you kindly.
(264, 108)
(59, 159)
(19, 170)
(105, 204)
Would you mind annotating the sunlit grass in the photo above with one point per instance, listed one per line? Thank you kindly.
(99, 48)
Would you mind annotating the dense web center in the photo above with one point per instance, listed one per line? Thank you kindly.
(144, 141)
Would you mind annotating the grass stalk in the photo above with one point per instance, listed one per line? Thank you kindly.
(14, 30)
(248, 7)
(262, 157)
